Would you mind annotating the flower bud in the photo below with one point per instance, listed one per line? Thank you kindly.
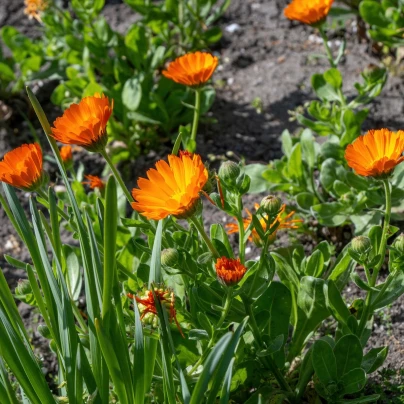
(23, 287)
(229, 171)
(43, 330)
(399, 243)
(169, 257)
(271, 205)
(361, 244)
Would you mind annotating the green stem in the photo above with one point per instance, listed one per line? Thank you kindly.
(117, 176)
(327, 48)
(241, 230)
(382, 252)
(197, 112)
(268, 361)
(208, 241)
(63, 214)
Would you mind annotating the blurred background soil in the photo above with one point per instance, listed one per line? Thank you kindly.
(265, 68)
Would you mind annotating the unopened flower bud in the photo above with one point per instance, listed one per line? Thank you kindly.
(271, 205)
(23, 287)
(399, 243)
(43, 330)
(361, 244)
(229, 171)
(169, 257)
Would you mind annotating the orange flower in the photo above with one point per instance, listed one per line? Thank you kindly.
(311, 12)
(34, 7)
(84, 124)
(94, 182)
(22, 167)
(230, 270)
(66, 154)
(148, 310)
(282, 221)
(171, 189)
(192, 69)
(376, 153)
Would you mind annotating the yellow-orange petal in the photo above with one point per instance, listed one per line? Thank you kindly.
(171, 188)
(229, 270)
(66, 153)
(376, 153)
(84, 124)
(94, 182)
(22, 167)
(308, 11)
(192, 69)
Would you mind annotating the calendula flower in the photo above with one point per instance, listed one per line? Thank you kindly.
(33, 8)
(229, 270)
(192, 69)
(311, 12)
(148, 310)
(84, 124)
(282, 221)
(171, 189)
(66, 154)
(94, 182)
(376, 153)
(22, 167)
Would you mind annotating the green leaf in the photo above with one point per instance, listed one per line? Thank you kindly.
(132, 94)
(155, 263)
(374, 359)
(315, 264)
(305, 201)
(272, 346)
(287, 143)
(354, 381)
(348, 354)
(333, 77)
(258, 182)
(324, 362)
(308, 150)
(323, 89)
(295, 167)
(336, 303)
(372, 12)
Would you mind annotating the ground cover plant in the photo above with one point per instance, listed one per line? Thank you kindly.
(174, 313)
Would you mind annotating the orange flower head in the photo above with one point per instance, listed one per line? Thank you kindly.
(376, 153)
(22, 167)
(229, 270)
(84, 124)
(282, 221)
(311, 12)
(192, 69)
(66, 154)
(33, 8)
(171, 189)
(94, 182)
(148, 310)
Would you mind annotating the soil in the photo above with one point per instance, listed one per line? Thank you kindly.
(266, 61)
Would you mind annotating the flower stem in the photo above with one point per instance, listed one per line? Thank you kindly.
(43, 195)
(241, 230)
(197, 112)
(208, 241)
(327, 48)
(268, 361)
(382, 252)
(117, 175)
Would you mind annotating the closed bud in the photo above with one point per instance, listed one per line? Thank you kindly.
(271, 205)
(169, 257)
(229, 171)
(361, 244)
(43, 330)
(23, 287)
(399, 243)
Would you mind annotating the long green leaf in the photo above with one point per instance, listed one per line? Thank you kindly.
(155, 264)
(139, 359)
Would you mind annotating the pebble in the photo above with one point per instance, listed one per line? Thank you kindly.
(232, 28)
